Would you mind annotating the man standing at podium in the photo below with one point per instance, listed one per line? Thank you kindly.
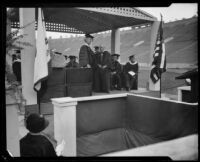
(86, 53)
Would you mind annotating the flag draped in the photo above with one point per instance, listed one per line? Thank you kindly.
(159, 57)
(42, 53)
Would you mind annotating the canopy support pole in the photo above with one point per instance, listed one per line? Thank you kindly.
(115, 41)
(27, 15)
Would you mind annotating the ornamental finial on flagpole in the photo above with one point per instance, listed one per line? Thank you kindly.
(161, 16)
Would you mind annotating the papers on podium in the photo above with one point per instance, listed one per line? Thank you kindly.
(131, 73)
(58, 61)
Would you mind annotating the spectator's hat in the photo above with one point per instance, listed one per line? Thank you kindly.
(131, 56)
(36, 123)
(89, 36)
(115, 54)
(72, 57)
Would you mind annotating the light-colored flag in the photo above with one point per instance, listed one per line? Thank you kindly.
(42, 53)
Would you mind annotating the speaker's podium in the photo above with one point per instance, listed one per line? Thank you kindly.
(62, 82)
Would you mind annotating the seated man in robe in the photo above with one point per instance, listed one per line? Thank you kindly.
(116, 70)
(131, 73)
(16, 66)
(72, 63)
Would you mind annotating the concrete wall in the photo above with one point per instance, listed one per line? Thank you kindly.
(150, 118)
(99, 115)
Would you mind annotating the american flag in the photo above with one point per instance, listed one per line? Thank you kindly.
(159, 57)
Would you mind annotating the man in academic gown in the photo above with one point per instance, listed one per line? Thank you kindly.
(96, 72)
(102, 71)
(16, 67)
(131, 73)
(72, 63)
(86, 53)
(116, 71)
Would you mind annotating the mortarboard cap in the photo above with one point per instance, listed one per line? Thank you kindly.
(89, 36)
(17, 51)
(58, 53)
(131, 56)
(115, 54)
(72, 57)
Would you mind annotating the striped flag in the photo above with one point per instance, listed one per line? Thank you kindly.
(42, 53)
(159, 58)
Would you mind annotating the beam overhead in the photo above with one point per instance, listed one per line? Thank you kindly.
(88, 20)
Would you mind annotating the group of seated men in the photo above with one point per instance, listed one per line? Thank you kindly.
(109, 74)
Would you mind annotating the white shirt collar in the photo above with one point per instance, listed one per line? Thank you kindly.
(88, 45)
(17, 60)
(133, 63)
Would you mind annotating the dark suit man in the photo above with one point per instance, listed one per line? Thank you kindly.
(86, 53)
(131, 73)
(116, 71)
(72, 63)
(102, 64)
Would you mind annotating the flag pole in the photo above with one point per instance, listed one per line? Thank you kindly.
(160, 83)
(38, 99)
(161, 72)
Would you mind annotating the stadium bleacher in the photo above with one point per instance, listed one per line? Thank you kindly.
(181, 49)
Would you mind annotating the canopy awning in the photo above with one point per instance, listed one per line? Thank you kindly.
(88, 20)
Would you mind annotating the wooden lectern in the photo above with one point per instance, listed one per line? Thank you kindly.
(62, 82)
(191, 96)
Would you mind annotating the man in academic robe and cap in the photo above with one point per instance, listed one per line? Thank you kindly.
(72, 63)
(131, 73)
(16, 65)
(86, 53)
(95, 84)
(102, 66)
(116, 72)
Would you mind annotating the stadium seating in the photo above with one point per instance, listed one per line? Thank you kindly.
(182, 49)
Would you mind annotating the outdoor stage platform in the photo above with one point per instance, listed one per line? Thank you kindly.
(47, 107)
(188, 151)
